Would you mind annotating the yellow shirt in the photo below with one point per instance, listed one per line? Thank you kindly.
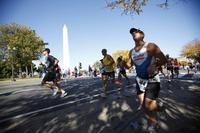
(107, 61)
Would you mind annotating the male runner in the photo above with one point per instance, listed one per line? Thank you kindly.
(122, 69)
(146, 57)
(50, 76)
(108, 71)
(170, 68)
(176, 67)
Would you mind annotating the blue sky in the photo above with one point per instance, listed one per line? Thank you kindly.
(92, 27)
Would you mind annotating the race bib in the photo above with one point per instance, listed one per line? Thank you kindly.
(142, 83)
(155, 79)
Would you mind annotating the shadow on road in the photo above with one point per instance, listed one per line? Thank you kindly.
(88, 114)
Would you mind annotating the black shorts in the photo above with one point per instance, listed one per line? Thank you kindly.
(49, 76)
(176, 68)
(169, 68)
(58, 76)
(123, 72)
(152, 90)
(109, 74)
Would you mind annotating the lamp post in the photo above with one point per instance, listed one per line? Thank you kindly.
(12, 49)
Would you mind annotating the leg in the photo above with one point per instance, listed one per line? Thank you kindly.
(45, 80)
(114, 81)
(126, 77)
(141, 99)
(57, 85)
(162, 72)
(168, 75)
(140, 95)
(59, 88)
(172, 72)
(47, 84)
(119, 76)
(105, 83)
(150, 103)
(150, 106)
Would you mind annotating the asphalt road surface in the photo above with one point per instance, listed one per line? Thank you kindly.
(26, 107)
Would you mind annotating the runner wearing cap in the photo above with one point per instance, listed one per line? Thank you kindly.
(146, 57)
(51, 63)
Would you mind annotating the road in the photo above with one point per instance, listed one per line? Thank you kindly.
(26, 107)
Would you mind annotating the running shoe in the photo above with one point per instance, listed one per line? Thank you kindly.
(55, 91)
(63, 94)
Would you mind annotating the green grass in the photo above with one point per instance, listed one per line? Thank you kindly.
(19, 79)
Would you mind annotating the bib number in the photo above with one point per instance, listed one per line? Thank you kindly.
(142, 83)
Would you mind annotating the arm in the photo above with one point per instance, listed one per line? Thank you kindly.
(112, 61)
(129, 63)
(155, 51)
(56, 61)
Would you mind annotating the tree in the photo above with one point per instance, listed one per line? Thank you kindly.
(192, 50)
(19, 45)
(97, 65)
(123, 53)
(5, 70)
(134, 6)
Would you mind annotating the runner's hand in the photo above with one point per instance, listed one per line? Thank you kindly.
(152, 69)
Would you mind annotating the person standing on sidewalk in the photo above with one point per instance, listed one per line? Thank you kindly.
(50, 76)
(75, 72)
(146, 57)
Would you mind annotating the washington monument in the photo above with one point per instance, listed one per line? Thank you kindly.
(66, 59)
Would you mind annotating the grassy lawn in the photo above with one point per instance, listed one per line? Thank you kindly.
(19, 79)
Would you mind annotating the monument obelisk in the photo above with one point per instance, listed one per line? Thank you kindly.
(66, 58)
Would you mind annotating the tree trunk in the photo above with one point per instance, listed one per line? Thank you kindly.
(31, 69)
(26, 71)
(20, 72)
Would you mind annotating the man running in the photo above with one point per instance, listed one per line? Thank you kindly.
(58, 73)
(122, 69)
(176, 67)
(107, 71)
(160, 69)
(170, 68)
(90, 71)
(50, 76)
(146, 57)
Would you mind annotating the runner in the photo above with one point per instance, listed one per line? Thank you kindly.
(160, 69)
(50, 75)
(190, 67)
(146, 57)
(43, 66)
(170, 69)
(176, 67)
(122, 69)
(75, 72)
(108, 71)
(58, 72)
(90, 71)
(95, 72)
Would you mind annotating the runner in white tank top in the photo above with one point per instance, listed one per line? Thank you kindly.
(146, 57)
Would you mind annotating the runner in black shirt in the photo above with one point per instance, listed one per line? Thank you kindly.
(50, 76)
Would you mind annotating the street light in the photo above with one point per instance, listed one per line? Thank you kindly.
(12, 63)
